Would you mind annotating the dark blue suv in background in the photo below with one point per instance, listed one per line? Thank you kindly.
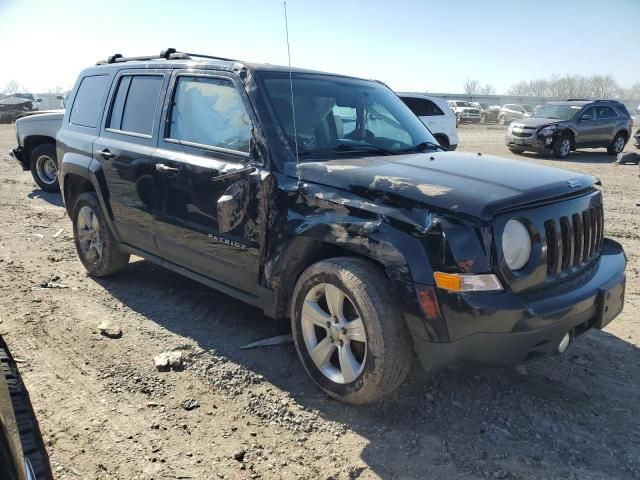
(322, 198)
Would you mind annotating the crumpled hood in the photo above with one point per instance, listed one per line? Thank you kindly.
(535, 121)
(458, 182)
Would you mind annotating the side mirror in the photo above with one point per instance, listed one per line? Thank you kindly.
(59, 97)
(38, 100)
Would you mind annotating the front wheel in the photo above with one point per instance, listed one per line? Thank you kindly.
(96, 246)
(562, 147)
(349, 333)
(44, 167)
(617, 145)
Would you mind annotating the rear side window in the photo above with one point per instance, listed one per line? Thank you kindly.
(134, 105)
(606, 112)
(422, 107)
(210, 112)
(87, 104)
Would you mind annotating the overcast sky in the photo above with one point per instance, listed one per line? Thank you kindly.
(428, 45)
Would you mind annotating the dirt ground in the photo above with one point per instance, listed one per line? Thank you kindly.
(107, 413)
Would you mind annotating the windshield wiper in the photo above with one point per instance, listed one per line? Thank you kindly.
(421, 148)
(348, 149)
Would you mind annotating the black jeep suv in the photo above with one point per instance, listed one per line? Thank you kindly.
(322, 198)
(560, 127)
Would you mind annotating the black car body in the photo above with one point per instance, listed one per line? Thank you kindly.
(250, 220)
(22, 452)
(560, 127)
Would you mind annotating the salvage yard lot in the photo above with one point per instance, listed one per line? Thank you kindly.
(107, 413)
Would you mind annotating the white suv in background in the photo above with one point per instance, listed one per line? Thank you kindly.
(436, 115)
(466, 111)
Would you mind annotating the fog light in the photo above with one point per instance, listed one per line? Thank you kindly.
(564, 343)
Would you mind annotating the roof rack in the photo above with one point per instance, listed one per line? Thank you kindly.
(167, 54)
(608, 101)
(577, 100)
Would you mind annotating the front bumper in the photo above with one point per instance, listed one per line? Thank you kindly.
(503, 329)
(18, 154)
(533, 143)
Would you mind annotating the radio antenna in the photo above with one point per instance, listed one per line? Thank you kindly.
(293, 108)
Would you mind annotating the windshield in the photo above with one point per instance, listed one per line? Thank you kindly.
(558, 112)
(463, 104)
(528, 108)
(343, 116)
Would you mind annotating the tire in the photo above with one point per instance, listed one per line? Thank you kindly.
(617, 145)
(382, 353)
(96, 246)
(33, 447)
(443, 141)
(562, 147)
(44, 167)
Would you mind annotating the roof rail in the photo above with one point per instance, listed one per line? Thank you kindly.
(577, 100)
(608, 101)
(167, 54)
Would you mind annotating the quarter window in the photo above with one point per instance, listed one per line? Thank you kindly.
(134, 106)
(210, 112)
(87, 104)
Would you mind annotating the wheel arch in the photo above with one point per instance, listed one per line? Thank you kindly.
(33, 141)
(338, 240)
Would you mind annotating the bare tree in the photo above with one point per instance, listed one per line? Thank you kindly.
(12, 87)
(568, 86)
(471, 87)
(487, 89)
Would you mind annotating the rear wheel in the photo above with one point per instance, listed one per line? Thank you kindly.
(96, 246)
(617, 145)
(44, 167)
(349, 333)
(562, 147)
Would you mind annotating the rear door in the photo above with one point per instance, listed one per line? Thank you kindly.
(607, 124)
(125, 147)
(210, 180)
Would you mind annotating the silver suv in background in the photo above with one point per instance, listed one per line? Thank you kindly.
(514, 111)
(560, 127)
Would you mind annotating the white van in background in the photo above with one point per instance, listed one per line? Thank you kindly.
(436, 115)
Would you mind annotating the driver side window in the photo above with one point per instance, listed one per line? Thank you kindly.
(210, 112)
(589, 114)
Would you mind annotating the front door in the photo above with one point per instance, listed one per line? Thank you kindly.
(209, 180)
(125, 149)
(588, 128)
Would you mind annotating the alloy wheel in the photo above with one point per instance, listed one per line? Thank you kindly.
(334, 334)
(565, 147)
(618, 145)
(89, 236)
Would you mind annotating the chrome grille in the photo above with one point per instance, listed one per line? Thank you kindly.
(573, 241)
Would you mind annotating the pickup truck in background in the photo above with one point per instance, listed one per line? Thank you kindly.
(36, 149)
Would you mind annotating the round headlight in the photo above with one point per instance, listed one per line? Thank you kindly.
(516, 244)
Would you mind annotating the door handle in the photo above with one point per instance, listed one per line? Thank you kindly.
(162, 168)
(106, 154)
